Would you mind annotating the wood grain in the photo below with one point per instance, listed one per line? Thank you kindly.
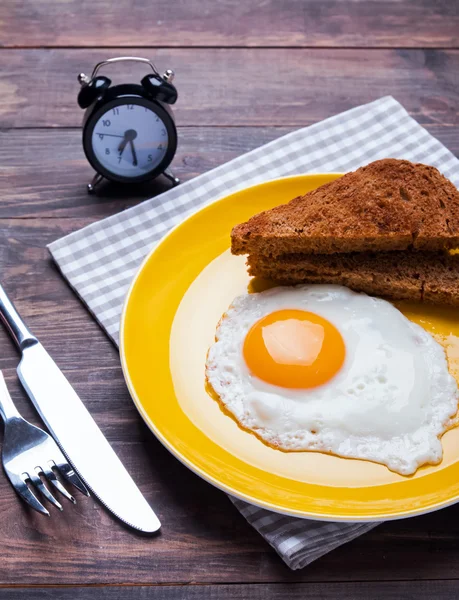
(358, 23)
(241, 87)
(413, 590)
(33, 186)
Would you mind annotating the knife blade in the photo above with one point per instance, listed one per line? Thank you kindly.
(73, 428)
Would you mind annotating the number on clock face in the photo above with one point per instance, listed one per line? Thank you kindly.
(130, 140)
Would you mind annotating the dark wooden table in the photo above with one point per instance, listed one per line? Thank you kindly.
(247, 72)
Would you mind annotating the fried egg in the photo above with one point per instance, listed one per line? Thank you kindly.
(323, 368)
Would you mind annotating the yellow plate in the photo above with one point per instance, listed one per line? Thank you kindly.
(168, 323)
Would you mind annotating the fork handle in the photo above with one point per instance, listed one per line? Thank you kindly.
(13, 322)
(7, 407)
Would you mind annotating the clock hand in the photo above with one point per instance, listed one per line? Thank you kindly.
(122, 145)
(134, 154)
(129, 135)
(110, 135)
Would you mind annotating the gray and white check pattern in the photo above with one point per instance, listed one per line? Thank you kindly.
(100, 260)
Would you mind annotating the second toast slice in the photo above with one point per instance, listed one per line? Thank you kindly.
(431, 277)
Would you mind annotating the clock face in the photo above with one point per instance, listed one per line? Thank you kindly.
(129, 140)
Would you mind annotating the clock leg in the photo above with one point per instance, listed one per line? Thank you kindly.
(175, 180)
(95, 181)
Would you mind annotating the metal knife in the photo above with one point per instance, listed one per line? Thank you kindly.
(74, 429)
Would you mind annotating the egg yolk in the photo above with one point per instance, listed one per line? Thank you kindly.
(294, 349)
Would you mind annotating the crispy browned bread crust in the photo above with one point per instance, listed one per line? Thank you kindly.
(389, 205)
(429, 277)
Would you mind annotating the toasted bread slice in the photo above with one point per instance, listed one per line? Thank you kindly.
(389, 205)
(429, 277)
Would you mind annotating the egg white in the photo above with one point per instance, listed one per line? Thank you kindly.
(390, 403)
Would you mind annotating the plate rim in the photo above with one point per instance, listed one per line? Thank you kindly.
(189, 464)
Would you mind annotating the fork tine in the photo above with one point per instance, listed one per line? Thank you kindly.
(22, 489)
(38, 483)
(68, 472)
(51, 476)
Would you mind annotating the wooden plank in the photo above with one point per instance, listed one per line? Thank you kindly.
(413, 590)
(358, 23)
(240, 87)
(204, 539)
(53, 183)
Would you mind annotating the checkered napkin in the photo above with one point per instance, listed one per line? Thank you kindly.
(100, 260)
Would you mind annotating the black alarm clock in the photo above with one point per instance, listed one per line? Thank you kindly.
(129, 133)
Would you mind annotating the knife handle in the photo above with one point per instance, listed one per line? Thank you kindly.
(13, 322)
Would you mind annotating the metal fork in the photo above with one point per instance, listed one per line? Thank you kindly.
(31, 457)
